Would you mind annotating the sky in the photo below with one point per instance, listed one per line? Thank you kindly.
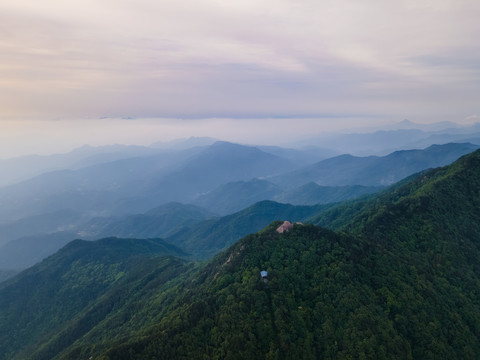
(105, 71)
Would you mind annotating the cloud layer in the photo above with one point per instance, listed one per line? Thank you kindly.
(206, 58)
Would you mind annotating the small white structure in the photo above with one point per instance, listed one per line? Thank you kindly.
(264, 274)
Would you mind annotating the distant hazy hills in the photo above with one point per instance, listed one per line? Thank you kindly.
(165, 220)
(234, 196)
(95, 190)
(373, 170)
(158, 222)
(116, 198)
(218, 164)
(400, 280)
(22, 168)
(138, 184)
(405, 135)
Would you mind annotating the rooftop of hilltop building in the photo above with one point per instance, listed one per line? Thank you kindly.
(286, 226)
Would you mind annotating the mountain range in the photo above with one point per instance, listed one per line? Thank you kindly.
(405, 135)
(389, 275)
(133, 196)
(373, 170)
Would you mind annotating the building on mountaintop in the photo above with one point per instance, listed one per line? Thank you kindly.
(286, 226)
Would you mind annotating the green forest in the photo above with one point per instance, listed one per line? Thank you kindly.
(394, 275)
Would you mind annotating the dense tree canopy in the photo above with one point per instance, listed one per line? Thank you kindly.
(397, 276)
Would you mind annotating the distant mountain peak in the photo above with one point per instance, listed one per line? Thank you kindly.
(228, 144)
(406, 122)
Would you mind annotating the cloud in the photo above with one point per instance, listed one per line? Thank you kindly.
(474, 118)
(213, 58)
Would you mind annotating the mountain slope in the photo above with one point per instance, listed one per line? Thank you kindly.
(401, 281)
(158, 222)
(448, 192)
(218, 164)
(207, 238)
(405, 286)
(7, 274)
(374, 170)
(311, 194)
(25, 251)
(235, 196)
(45, 223)
(38, 302)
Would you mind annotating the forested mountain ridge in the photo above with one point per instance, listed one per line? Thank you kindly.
(22, 252)
(400, 279)
(207, 238)
(451, 193)
(52, 303)
(405, 285)
(179, 224)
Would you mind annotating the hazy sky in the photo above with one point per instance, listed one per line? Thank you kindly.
(65, 64)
